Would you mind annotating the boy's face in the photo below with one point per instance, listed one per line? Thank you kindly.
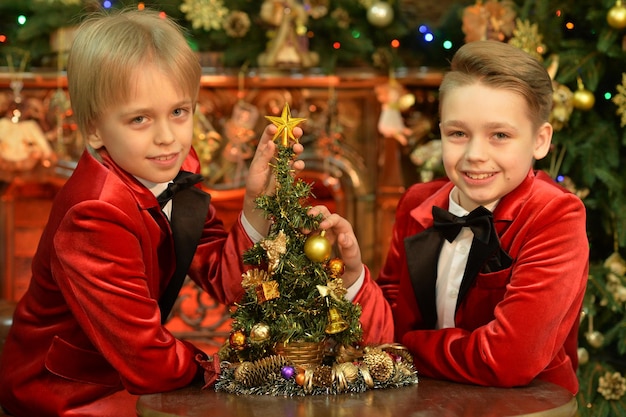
(489, 142)
(150, 134)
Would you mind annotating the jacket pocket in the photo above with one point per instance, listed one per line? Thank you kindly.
(81, 365)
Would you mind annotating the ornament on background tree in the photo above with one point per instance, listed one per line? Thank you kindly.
(394, 99)
(289, 46)
(380, 14)
(616, 276)
(493, 20)
(612, 386)
(526, 37)
(583, 98)
(594, 337)
(205, 14)
(616, 16)
(620, 100)
(562, 98)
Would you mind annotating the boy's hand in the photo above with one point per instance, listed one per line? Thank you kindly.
(339, 231)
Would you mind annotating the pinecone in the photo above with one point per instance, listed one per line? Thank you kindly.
(254, 374)
(323, 376)
(243, 373)
(379, 364)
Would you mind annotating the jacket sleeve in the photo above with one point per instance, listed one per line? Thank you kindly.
(376, 317)
(530, 325)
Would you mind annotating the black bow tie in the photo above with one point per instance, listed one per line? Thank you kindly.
(182, 181)
(480, 220)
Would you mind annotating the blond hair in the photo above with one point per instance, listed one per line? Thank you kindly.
(110, 47)
(503, 66)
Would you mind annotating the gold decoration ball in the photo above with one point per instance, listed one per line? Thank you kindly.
(595, 339)
(583, 355)
(259, 333)
(317, 248)
(616, 17)
(336, 267)
(584, 99)
(380, 14)
(237, 340)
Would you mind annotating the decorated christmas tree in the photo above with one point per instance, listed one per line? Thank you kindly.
(294, 332)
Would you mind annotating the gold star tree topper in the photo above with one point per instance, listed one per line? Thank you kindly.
(285, 124)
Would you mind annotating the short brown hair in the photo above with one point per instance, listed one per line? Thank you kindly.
(500, 65)
(109, 47)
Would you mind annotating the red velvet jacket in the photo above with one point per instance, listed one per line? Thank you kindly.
(513, 325)
(89, 324)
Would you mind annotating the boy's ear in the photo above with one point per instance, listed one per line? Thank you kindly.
(93, 138)
(543, 141)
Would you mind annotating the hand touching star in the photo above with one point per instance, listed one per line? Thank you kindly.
(285, 124)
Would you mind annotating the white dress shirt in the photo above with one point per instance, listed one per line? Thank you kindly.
(451, 267)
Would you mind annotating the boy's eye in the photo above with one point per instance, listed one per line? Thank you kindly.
(138, 119)
(180, 111)
(500, 136)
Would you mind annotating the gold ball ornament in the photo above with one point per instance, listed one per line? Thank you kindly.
(380, 14)
(336, 267)
(259, 333)
(616, 17)
(595, 339)
(237, 340)
(583, 355)
(583, 98)
(317, 248)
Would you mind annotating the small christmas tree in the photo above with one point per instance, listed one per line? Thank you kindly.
(294, 331)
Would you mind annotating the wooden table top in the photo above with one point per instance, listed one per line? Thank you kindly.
(429, 398)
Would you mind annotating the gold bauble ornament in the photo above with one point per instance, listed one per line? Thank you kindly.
(595, 339)
(583, 356)
(336, 267)
(259, 333)
(380, 14)
(237, 340)
(317, 248)
(616, 17)
(583, 98)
